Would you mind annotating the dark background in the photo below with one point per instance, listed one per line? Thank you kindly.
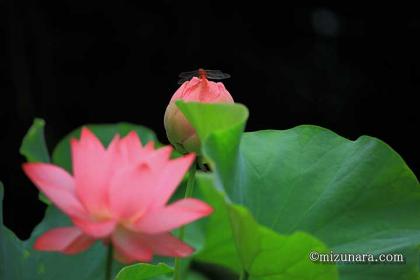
(351, 69)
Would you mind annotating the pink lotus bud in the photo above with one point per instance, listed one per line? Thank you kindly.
(179, 131)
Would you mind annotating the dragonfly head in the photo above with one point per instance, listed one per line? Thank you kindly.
(202, 73)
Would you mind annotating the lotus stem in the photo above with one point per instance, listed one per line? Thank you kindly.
(109, 259)
(188, 193)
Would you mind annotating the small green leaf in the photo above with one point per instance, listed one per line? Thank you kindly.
(34, 148)
(219, 127)
(33, 145)
(223, 117)
(195, 276)
(143, 271)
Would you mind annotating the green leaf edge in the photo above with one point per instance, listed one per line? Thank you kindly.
(126, 270)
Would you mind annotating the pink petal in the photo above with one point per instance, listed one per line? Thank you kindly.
(115, 157)
(131, 247)
(79, 245)
(131, 191)
(130, 148)
(91, 169)
(97, 229)
(131, 151)
(173, 216)
(114, 146)
(167, 245)
(158, 158)
(150, 146)
(57, 185)
(132, 142)
(180, 92)
(170, 177)
(122, 257)
(69, 240)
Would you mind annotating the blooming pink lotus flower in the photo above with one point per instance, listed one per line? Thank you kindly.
(179, 131)
(118, 195)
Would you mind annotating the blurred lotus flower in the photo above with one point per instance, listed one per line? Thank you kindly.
(179, 131)
(118, 195)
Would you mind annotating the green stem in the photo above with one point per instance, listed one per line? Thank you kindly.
(177, 272)
(109, 259)
(190, 183)
(188, 193)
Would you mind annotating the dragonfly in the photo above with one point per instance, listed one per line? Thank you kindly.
(203, 73)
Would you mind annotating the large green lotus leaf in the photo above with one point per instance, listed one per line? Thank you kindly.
(219, 246)
(11, 249)
(261, 252)
(356, 196)
(105, 132)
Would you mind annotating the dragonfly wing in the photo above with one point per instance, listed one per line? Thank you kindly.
(182, 80)
(188, 74)
(217, 75)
